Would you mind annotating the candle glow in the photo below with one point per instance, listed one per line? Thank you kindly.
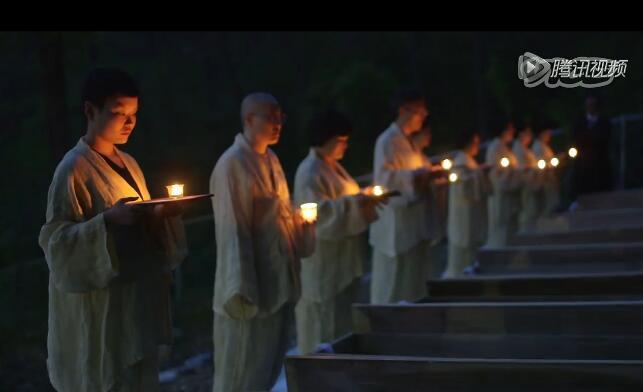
(573, 152)
(309, 212)
(542, 164)
(504, 162)
(453, 177)
(175, 190)
(378, 190)
(554, 162)
(447, 164)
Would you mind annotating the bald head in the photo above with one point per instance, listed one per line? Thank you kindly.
(257, 103)
(262, 118)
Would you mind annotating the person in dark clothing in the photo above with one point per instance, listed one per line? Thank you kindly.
(592, 169)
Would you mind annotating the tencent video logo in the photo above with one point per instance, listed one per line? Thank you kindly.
(588, 72)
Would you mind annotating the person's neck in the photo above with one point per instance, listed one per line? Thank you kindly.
(99, 144)
(323, 155)
(257, 145)
(404, 126)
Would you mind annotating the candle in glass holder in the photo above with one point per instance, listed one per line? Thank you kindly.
(453, 177)
(175, 190)
(378, 190)
(554, 162)
(446, 164)
(541, 164)
(573, 152)
(309, 212)
(504, 162)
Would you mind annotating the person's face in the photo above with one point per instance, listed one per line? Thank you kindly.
(508, 134)
(413, 115)
(336, 147)
(115, 121)
(265, 123)
(545, 136)
(526, 137)
(423, 138)
(474, 147)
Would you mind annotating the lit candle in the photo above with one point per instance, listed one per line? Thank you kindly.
(175, 190)
(378, 190)
(309, 212)
(447, 164)
(504, 162)
(453, 177)
(573, 152)
(554, 162)
(542, 164)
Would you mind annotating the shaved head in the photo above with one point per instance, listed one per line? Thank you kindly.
(257, 103)
(262, 119)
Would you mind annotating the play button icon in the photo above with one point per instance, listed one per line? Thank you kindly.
(532, 69)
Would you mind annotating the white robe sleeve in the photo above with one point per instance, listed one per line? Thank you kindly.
(506, 179)
(533, 179)
(503, 179)
(336, 218)
(233, 210)
(80, 253)
(305, 237)
(472, 185)
(387, 172)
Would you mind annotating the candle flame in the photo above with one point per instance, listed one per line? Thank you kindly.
(309, 212)
(573, 152)
(175, 190)
(554, 162)
(378, 190)
(542, 164)
(447, 164)
(504, 162)
(453, 177)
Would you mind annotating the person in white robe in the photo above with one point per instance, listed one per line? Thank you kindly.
(331, 276)
(438, 197)
(260, 238)
(531, 192)
(551, 182)
(109, 262)
(401, 237)
(506, 182)
(467, 222)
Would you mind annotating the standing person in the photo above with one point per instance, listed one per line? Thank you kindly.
(467, 222)
(260, 239)
(331, 276)
(110, 262)
(401, 237)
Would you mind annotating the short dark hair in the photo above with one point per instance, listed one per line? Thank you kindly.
(465, 138)
(524, 125)
(104, 83)
(544, 124)
(500, 123)
(405, 96)
(326, 125)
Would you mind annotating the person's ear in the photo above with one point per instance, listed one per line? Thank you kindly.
(90, 111)
(247, 121)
